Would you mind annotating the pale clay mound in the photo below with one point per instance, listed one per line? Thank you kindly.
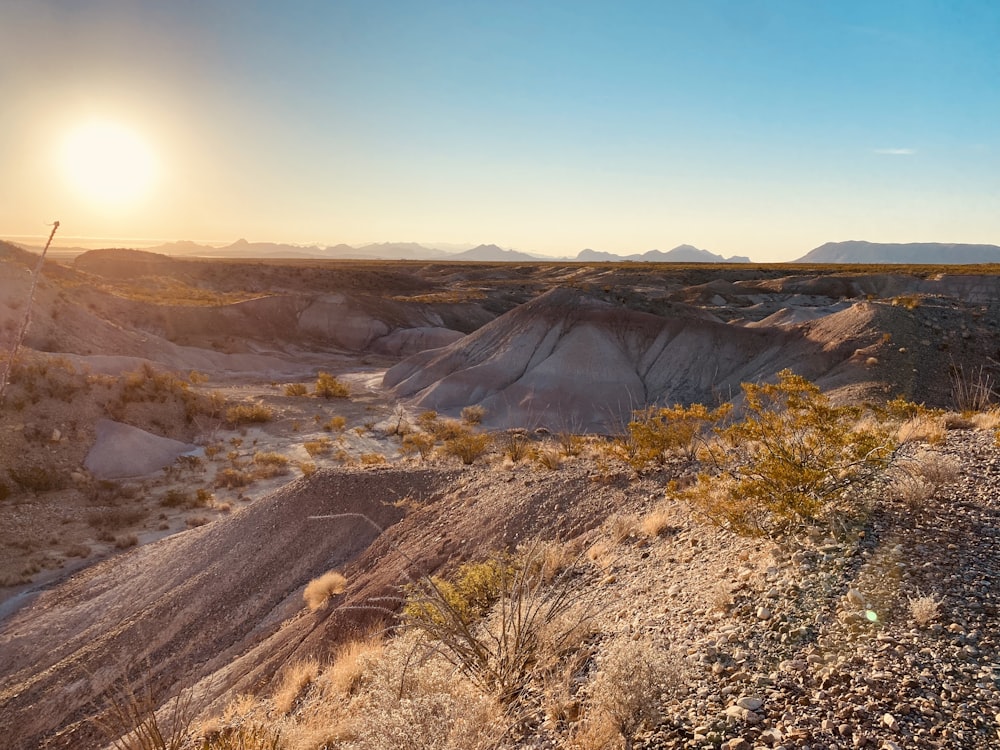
(121, 451)
(570, 362)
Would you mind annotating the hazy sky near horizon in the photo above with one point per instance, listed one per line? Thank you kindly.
(752, 127)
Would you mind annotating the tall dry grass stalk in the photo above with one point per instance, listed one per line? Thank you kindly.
(26, 320)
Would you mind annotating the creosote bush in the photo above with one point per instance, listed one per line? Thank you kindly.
(249, 413)
(795, 458)
(467, 445)
(328, 386)
(657, 432)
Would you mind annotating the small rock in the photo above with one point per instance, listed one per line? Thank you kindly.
(889, 720)
(750, 702)
(855, 597)
(56, 436)
(763, 613)
(737, 743)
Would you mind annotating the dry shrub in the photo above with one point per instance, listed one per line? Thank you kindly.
(794, 459)
(328, 386)
(531, 623)
(110, 519)
(912, 490)
(308, 468)
(320, 590)
(986, 420)
(473, 415)
(446, 429)
(632, 676)
(126, 540)
(232, 478)
(925, 609)
(937, 468)
(335, 424)
(621, 527)
(927, 427)
(601, 554)
(550, 458)
(249, 414)
(514, 445)
(720, 596)
(295, 680)
(658, 521)
(193, 522)
(296, 389)
(372, 459)
(420, 704)
(467, 446)
(247, 736)
(318, 447)
(343, 677)
(417, 443)
(134, 720)
(549, 559)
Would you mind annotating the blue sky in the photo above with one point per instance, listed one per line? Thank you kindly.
(759, 127)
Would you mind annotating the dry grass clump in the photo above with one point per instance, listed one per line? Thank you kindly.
(233, 478)
(550, 458)
(926, 427)
(112, 519)
(125, 541)
(466, 445)
(343, 676)
(914, 491)
(320, 590)
(296, 389)
(626, 690)
(971, 391)
(335, 424)
(622, 527)
(986, 420)
(308, 468)
(328, 386)
(249, 414)
(473, 415)
(658, 521)
(925, 609)
(372, 459)
(419, 443)
(270, 464)
(247, 736)
(421, 704)
(514, 445)
(37, 478)
(295, 679)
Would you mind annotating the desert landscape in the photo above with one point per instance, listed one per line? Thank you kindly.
(356, 503)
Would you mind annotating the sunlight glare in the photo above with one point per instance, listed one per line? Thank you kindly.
(107, 163)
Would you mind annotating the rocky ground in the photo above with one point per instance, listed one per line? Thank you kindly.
(819, 647)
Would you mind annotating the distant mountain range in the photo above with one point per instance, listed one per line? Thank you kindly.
(413, 251)
(680, 254)
(858, 251)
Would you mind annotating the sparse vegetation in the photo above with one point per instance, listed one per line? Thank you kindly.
(320, 590)
(473, 415)
(794, 459)
(925, 609)
(328, 386)
(249, 414)
(467, 446)
(296, 389)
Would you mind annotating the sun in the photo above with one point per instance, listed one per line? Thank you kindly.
(107, 163)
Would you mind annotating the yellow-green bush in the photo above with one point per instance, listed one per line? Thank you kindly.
(656, 432)
(467, 445)
(328, 386)
(794, 458)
